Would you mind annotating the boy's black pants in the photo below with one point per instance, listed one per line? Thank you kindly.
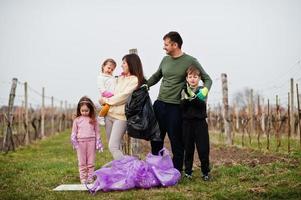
(195, 132)
(169, 117)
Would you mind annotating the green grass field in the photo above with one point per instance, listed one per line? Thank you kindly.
(32, 172)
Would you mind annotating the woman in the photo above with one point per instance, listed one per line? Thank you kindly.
(126, 172)
(131, 79)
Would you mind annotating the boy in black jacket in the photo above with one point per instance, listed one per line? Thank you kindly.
(195, 127)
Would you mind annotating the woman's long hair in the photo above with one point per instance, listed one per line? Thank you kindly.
(89, 103)
(135, 67)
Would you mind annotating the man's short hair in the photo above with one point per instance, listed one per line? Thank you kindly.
(174, 37)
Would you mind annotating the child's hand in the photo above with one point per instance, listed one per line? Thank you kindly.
(190, 92)
(99, 145)
(202, 94)
(107, 94)
(74, 141)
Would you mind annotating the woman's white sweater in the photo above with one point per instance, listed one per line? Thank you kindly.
(124, 88)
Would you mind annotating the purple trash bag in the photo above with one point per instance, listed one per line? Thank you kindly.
(163, 169)
(116, 175)
(145, 177)
(167, 177)
(162, 162)
(130, 172)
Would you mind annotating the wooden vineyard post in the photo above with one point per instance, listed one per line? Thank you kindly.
(8, 142)
(263, 118)
(237, 120)
(43, 114)
(288, 123)
(66, 115)
(19, 110)
(226, 109)
(52, 116)
(134, 143)
(268, 127)
(251, 116)
(60, 116)
(291, 124)
(299, 113)
(259, 116)
(234, 123)
(26, 114)
(277, 123)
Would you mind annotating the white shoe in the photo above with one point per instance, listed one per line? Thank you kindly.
(101, 121)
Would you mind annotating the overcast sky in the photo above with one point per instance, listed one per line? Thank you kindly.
(60, 44)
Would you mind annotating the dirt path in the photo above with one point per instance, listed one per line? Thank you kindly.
(229, 156)
(222, 155)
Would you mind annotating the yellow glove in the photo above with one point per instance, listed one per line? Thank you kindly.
(190, 92)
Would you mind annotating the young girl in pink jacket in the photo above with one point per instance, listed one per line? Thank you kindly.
(85, 138)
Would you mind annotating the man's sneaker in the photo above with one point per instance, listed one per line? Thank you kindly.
(206, 177)
(189, 176)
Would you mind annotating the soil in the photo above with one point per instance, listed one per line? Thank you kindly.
(233, 155)
(223, 155)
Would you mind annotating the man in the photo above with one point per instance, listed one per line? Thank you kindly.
(167, 107)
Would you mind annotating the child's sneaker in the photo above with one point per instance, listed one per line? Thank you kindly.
(101, 121)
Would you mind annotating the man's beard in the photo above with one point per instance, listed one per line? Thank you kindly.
(167, 52)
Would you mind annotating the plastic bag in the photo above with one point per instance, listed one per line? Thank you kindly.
(163, 169)
(130, 172)
(116, 175)
(162, 162)
(141, 119)
(167, 177)
(145, 177)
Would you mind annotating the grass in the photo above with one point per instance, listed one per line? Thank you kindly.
(32, 172)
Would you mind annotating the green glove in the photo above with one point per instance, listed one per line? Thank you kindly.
(190, 92)
(202, 94)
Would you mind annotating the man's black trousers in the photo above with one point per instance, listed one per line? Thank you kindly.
(169, 118)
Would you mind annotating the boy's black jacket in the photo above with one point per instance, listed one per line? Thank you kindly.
(193, 108)
(141, 120)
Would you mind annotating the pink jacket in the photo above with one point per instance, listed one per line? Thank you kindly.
(82, 128)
